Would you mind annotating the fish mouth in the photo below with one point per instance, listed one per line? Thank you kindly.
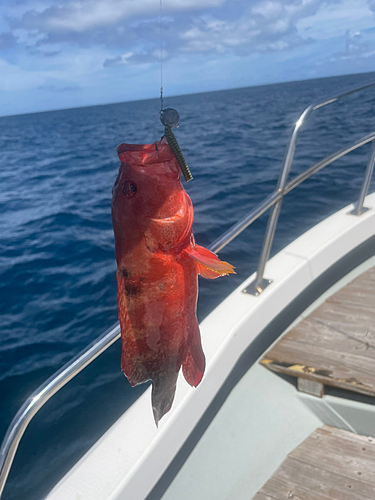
(145, 154)
(123, 148)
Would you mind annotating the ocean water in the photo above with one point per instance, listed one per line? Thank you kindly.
(57, 262)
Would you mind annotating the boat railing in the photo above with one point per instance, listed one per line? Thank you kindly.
(54, 383)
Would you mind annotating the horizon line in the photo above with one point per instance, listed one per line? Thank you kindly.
(186, 94)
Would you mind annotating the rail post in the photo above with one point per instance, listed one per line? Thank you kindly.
(359, 208)
(260, 283)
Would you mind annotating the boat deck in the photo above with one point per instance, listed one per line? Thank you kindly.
(335, 344)
(330, 464)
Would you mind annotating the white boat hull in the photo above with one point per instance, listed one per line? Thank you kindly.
(132, 456)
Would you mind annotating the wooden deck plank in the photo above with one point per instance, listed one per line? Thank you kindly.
(359, 291)
(331, 464)
(340, 453)
(311, 354)
(305, 481)
(328, 367)
(330, 335)
(327, 339)
(262, 496)
(349, 318)
(335, 344)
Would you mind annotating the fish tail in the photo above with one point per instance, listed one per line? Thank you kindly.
(195, 362)
(163, 391)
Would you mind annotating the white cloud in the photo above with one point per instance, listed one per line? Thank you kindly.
(65, 44)
(66, 70)
(280, 26)
(336, 18)
(268, 9)
(15, 78)
(160, 54)
(118, 60)
(266, 27)
(28, 37)
(358, 45)
(84, 15)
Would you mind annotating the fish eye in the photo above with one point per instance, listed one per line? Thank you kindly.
(129, 189)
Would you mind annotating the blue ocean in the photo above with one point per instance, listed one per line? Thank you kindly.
(57, 260)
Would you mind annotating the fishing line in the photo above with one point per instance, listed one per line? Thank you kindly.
(170, 117)
(161, 56)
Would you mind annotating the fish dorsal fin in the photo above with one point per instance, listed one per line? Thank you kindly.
(208, 264)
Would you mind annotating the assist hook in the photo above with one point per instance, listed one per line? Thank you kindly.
(170, 118)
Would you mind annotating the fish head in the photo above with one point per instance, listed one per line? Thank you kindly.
(149, 200)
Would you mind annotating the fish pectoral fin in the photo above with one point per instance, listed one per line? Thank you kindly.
(208, 264)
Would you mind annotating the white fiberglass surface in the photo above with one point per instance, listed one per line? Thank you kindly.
(245, 442)
(262, 420)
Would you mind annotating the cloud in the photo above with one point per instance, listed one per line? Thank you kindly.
(216, 27)
(268, 26)
(128, 31)
(357, 45)
(7, 40)
(70, 68)
(15, 78)
(268, 9)
(335, 18)
(82, 15)
(118, 60)
(189, 25)
(62, 45)
(52, 53)
(55, 88)
(114, 61)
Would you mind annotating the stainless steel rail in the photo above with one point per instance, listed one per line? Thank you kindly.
(260, 283)
(277, 195)
(44, 392)
(360, 209)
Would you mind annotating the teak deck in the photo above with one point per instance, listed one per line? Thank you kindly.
(331, 464)
(335, 344)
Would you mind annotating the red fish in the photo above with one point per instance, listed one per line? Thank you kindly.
(158, 263)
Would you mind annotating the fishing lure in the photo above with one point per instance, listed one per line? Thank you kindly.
(170, 118)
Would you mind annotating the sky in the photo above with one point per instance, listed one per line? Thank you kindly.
(67, 53)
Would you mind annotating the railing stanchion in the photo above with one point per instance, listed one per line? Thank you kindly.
(359, 208)
(260, 283)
